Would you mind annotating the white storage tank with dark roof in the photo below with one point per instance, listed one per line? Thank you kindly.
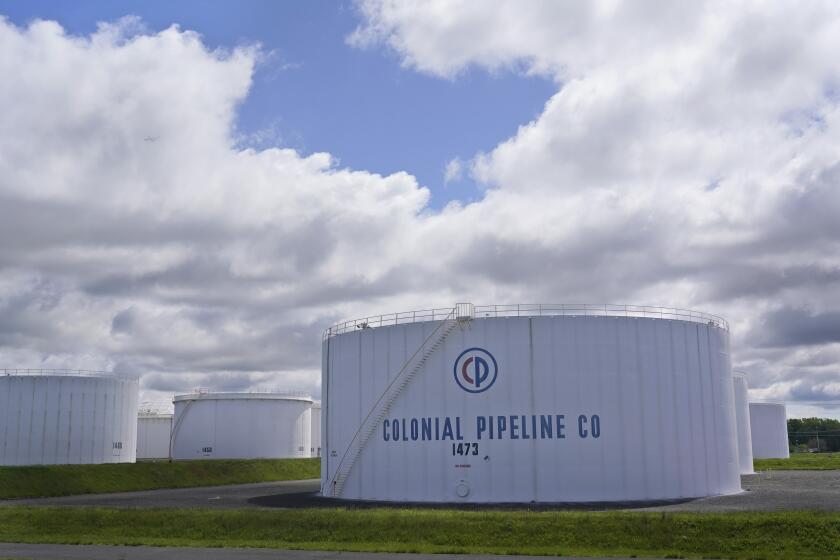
(768, 425)
(542, 403)
(54, 417)
(241, 425)
(742, 417)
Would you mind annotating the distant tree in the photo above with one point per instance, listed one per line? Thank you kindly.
(821, 434)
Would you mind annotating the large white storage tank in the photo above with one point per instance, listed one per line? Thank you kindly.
(241, 426)
(53, 417)
(768, 424)
(154, 428)
(742, 418)
(529, 403)
(316, 429)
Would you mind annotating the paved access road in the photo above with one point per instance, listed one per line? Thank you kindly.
(234, 496)
(89, 552)
(767, 491)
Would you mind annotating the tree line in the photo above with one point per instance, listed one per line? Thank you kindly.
(813, 434)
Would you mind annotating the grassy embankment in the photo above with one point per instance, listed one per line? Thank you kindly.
(799, 535)
(801, 461)
(64, 480)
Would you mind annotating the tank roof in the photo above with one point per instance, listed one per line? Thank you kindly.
(148, 414)
(466, 311)
(49, 372)
(274, 395)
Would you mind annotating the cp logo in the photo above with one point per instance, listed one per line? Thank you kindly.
(475, 370)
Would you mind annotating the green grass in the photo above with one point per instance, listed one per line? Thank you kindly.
(64, 480)
(770, 535)
(801, 461)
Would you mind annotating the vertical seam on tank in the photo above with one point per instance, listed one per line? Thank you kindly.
(555, 397)
(93, 443)
(4, 414)
(70, 426)
(120, 430)
(82, 426)
(58, 421)
(715, 369)
(425, 471)
(360, 411)
(703, 409)
(625, 475)
(642, 432)
(534, 477)
(691, 427)
(325, 431)
(17, 432)
(715, 381)
(44, 428)
(659, 405)
(602, 467)
(29, 456)
(676, 412)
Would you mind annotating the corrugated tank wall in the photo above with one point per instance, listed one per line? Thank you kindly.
(316, 430)
(153, 436)
(742, 418)
(659, 394)
(768, 425)
(210, 427)
(63, 419)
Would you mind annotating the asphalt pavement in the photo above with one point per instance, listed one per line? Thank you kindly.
(766, 491)
(233, 496)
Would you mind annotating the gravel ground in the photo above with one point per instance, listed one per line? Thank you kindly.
(773, 491)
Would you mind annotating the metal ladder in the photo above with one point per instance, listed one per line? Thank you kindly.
(383, 404)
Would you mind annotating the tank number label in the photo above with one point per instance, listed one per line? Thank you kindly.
(207, 450)
(117, 445)
(465, 449)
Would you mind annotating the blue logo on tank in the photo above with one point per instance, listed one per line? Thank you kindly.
(475, 370)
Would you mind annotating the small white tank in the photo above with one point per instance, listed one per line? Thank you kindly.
(742, 419)
(768, 425)
(54, 417)
(153, 431)
(242, 426)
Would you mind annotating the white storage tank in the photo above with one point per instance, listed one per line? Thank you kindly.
(241, 426)
(53, 417)
(742, 418)
(542, 403)
(153, 432)
(768, 425)
(316, 429)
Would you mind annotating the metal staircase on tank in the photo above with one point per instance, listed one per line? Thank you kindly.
(462, 312)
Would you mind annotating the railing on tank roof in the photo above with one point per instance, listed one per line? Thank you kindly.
(533, 310)
(155, 408)
(255, 391)
(69, 372)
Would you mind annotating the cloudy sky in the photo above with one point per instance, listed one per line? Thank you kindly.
(194, 192)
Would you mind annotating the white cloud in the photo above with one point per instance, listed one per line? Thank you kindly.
(181, 255)
(688, 158)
